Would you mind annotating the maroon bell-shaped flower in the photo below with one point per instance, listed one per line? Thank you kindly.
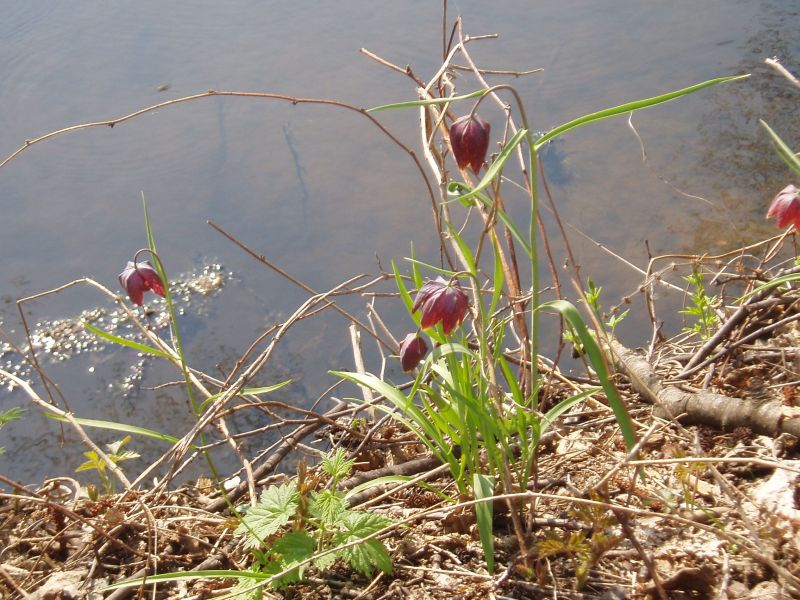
(139, 277)
(786, 207)
(441, 302)
(469, 138)
(412, 349)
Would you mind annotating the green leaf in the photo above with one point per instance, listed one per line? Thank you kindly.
(560, 408)
(460, 189)
(787, 155)
(94, 462)
(338, 466)
(370, 553)
(246, 392)
(327, 506)
(243, 588)
(125, 428)
(12, 414)
(630, 107)
(293, 548)
(276, 507)
(129, 343)
(424, 429)
(775, 282)
(483, 486)
(571, 314)
(178, 575)
(415, 103)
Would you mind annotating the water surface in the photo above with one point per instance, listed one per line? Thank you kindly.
(319, 190)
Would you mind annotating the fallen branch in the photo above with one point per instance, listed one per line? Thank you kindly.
(703, 407)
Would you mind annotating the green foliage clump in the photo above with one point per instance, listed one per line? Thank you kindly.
(702, 307)
(12, 414)
(292, 524)
(115, 453)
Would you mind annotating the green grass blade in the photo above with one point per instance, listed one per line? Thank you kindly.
(630, 107)
(178, 575)
(483, 487)
(446, 272)
(401, 287)
(397, 398)
(786, 153)
(415, 103)
(494, 169)
(571, 314)
(560, 408)
(246, 392)
(113, 426)
(129, 343)
(460, 189)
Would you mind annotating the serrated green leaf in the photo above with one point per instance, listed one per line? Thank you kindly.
(276, 507)
(326, 560)
(291, 549)
(327, 506)
(365, 556)
(243, 590)
(338, 466)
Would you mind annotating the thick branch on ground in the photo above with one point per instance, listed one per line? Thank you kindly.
(703, 407)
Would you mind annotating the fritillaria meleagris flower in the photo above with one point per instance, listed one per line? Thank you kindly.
(139, 277)
(412, 349)
(441, 302)
(786, 207)
(469, 138)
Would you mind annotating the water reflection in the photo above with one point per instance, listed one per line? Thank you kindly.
(320, 191)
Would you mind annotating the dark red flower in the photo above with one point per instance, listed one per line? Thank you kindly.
(786, 207)
(441, 302)
(139, 277)
(469, 138)
(412, 349)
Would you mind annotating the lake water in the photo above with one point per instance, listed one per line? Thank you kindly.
(318, 190)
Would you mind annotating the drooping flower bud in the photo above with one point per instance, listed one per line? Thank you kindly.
(441, 302)
(469, 138)
(786, 207)
(139, 277)
(412, 349)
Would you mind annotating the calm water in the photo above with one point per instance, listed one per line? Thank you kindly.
(319, 191)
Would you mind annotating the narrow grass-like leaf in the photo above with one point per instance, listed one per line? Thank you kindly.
(416, 103)
(401, 287)
(786, 153)
(129, 343)
(123, 427)
(433, 268)
(246, 392)
(397, 398)
(630, 107)
(560, 408)
(12, 414)
(776, 282)
(571, 314)
(483, 487)
(461, 190)
(494, 169)
(179, 575)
